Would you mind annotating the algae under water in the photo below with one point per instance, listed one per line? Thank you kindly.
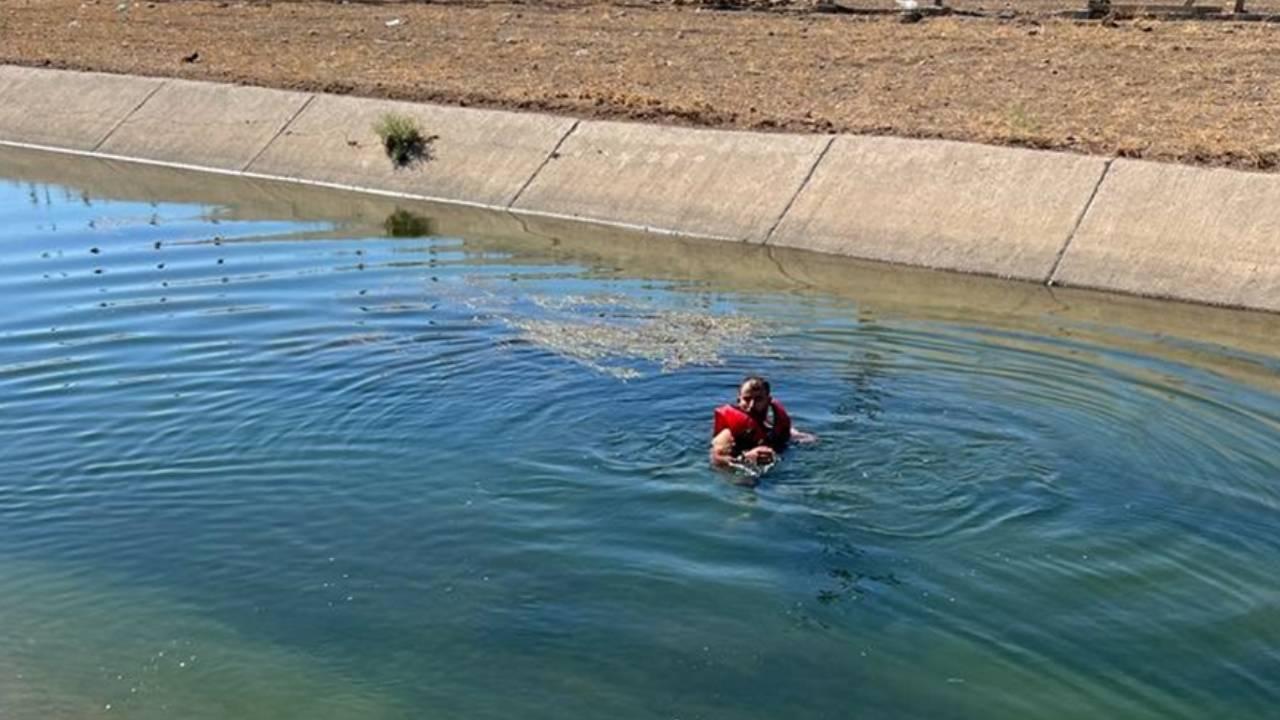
(263, 460)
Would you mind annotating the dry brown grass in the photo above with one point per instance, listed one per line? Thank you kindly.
(1200, 92)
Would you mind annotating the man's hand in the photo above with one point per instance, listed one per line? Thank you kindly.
(762, 455)
(803, 438)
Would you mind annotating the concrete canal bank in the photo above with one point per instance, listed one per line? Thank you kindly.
(1167, 231)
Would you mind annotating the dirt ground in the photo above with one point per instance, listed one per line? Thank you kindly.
(1205, 92)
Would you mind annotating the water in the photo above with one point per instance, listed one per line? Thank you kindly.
(262, 460)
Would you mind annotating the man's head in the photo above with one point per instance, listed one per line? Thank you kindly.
(754, 397)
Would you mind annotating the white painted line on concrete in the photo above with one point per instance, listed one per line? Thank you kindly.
(1167, 231)
(76, 110)
(353, 188)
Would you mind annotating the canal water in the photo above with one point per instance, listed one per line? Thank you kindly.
(271, 452)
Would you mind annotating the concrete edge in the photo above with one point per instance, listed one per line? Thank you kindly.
(515, 212)
(1156, 287)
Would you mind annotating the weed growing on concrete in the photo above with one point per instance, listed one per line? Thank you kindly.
(403, 139)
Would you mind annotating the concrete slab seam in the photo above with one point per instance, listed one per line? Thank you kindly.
(621, 224)
(357, 188)
(279, 132)
(240, 173)
(1142, 244)
(550, 156)
(803, 184)
(129, 114)
(1088, 204)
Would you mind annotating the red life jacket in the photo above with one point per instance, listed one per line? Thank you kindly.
(749, 432)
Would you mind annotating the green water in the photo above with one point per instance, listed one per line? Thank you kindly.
(263, 460)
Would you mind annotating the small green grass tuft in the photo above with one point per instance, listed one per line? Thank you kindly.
(403, 139)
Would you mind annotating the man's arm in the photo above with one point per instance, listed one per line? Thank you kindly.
(722, 449)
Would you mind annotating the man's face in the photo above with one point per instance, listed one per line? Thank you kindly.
(753, 400)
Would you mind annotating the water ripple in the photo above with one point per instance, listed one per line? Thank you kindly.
(432, 468)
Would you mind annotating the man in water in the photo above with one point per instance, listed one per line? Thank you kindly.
(755, 430)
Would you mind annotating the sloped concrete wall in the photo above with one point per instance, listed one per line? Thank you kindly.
(942, 205)
(726, 185)
(477, 156)
(1197, 234)
(68, 110)
(195, 123)
(1210, 236)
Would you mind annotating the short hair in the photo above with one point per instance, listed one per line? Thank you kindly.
(756, 381)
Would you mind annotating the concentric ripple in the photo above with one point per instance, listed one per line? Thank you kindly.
(266, 468)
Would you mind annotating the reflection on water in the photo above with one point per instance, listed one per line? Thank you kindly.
(402, 223)
(258, 465)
